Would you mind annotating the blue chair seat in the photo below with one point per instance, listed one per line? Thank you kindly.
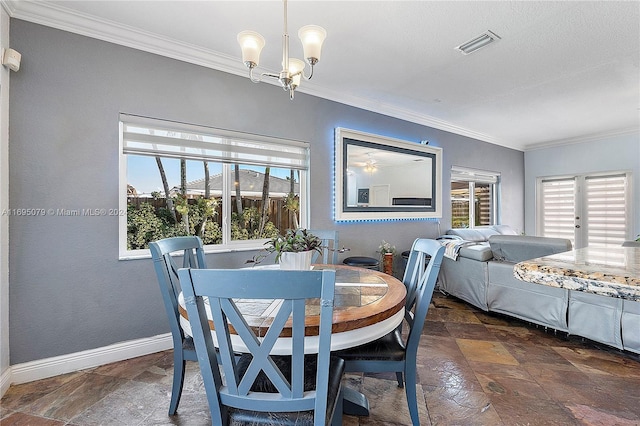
(362, 262)
(389, 347)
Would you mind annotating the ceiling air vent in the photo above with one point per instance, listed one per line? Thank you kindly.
(479, 42)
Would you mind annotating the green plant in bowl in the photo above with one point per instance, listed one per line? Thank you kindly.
(294, 241)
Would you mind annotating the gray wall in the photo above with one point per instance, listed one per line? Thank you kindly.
(620, 153)
(4, 204)
(68, 291)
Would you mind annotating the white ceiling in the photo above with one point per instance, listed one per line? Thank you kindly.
(563, 71)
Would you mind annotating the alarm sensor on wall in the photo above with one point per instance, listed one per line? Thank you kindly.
(11, 59)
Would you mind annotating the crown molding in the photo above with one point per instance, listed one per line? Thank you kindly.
(396, 112)
(59, 17)
(582, 139)
(55, 16)
(8, 7)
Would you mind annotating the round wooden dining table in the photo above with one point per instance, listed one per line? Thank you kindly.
(368, 304)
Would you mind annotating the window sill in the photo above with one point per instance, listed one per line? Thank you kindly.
(256, 245)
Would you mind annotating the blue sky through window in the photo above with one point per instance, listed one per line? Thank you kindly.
(144, 176)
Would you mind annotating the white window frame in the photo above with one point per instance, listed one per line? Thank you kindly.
(473, 176)
(273, 152)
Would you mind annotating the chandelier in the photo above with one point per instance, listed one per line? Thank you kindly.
(312, 37)
(370, 166)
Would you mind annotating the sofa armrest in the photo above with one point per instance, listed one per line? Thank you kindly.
(475, 234)
(516, 248)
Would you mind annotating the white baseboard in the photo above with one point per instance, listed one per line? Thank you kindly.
(5, 381)
(49, 367)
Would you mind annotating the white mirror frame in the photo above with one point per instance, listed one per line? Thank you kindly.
(342, 213)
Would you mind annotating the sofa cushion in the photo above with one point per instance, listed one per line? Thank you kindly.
(480, 252)
(516, 248)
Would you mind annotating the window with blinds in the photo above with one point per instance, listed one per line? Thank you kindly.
(234, 190)
(146, 136)
(557, 208)
(474, 197)
(606, 209)
(589, 210)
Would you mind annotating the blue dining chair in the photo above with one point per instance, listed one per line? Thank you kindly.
(330, 246)
(261, 388)
(163, 252)
(392, 353)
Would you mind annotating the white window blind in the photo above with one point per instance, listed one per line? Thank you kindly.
(147, 136)
(589, 210)
(606, 209)
(474, 197)
(463, 174)
(557, 199)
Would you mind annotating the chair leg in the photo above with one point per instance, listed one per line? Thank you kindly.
(336, 420)
(179, 365)
(410, 390)
(399, 377)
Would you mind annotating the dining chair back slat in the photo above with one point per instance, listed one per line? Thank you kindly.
(423, 290)
(163, 253)
(258, 382)
(414, 273)
(395, 352)
(330, 246)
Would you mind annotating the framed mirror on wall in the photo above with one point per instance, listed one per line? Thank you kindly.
(380, 178)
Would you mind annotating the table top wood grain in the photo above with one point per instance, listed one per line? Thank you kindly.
(368, 304)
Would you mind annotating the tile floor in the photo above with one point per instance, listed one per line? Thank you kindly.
(474, 369)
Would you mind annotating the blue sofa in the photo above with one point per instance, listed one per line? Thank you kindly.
(478, 268)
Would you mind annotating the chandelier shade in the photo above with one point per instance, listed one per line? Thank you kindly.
(296, 66)
(312, 38)
(251, 44)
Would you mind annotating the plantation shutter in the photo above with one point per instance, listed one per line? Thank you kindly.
(606, 209)
(147, 136)
(557, 201)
